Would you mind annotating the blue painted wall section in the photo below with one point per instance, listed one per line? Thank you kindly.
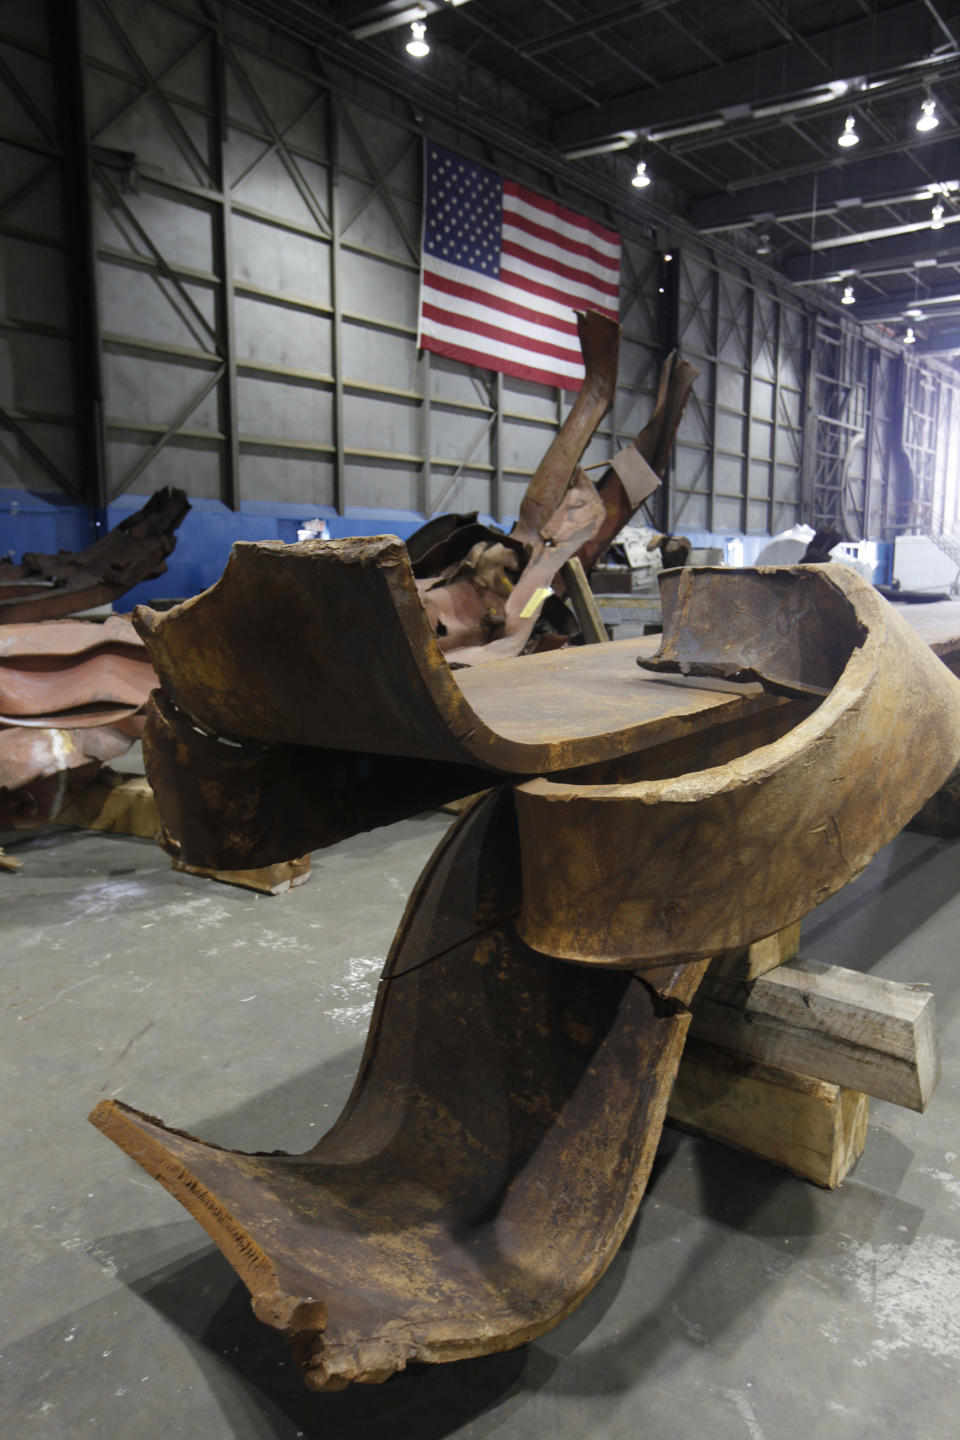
(50, 522)
(45, 523)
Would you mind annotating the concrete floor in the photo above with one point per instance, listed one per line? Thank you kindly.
(744, 1305)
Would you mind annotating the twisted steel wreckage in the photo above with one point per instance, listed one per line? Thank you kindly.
(636, 821)
(72, 692)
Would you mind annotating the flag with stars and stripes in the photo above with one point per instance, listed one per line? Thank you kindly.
(503, 270)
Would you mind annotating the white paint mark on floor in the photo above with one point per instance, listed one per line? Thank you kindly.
(100, 901)
(949, 1182)
(737, 1398)
(358, 988)
(911, 1291)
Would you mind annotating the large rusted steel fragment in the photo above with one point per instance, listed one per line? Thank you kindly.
(44, 587)
(72, 672)
(488, 596)
(326, 643)
(532, 1011)
(721, 855)
(72, 694)
(490, 1159)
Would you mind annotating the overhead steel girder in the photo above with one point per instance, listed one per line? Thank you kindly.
(939, 301)
(947, 342)
(889, 40)
(854, 183)
(859, 258)
(502, 1126)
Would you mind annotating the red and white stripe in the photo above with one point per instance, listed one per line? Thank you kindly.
(552, 263)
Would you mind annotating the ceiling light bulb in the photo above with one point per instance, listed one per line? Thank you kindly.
(849, 136)
(667, 257)
(937, 221)
(909, 338)
(913, 314)
(848, 296)
(641, 179)
(417, 46)
(763, 244)
(928, 116)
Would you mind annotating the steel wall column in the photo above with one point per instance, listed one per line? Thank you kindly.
(67, 53)
(775, 437)
(426, 435)
(336, 299)
(496, 483)
(223, 221)
(668, 277)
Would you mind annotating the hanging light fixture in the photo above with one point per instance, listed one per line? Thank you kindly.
(641, 179)
(928, 118)
(937, 221)
(417, 45)
(848, 296)
(849, 136)
(913, 314)
(909, 338)
(763, 244)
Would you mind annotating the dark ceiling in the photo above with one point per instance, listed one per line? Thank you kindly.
(736, 109)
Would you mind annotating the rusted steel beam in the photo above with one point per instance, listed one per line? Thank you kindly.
(327, 644)
(45, 587)
(72, 672)
(455, 1209)
(724, 854)
(600, 343)
(248, 806)
(72, 694)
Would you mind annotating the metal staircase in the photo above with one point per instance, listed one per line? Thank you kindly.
(946, 537)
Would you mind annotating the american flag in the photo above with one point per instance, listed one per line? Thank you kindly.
(502, 271)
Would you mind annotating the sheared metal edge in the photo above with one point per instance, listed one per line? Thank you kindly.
(630, 873)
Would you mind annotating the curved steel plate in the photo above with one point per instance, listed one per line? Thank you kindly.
(454, 1209)
(678, 860)
(326, 643)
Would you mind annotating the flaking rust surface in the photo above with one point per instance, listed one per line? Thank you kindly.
(491, 1156)
(504, 1120)
(657, 856)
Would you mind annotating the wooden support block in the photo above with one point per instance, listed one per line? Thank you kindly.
(120, 804)
(268, 880)
(877, 1036)
(756, 959)
(8, 862)
(810, 1127)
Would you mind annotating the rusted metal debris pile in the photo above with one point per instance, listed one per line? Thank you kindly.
(637, 821)
(487, 595)
(44, 587)
(358, 614)
(72, 697)
(72, 692)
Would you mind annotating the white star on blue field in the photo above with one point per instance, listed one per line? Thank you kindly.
(464, 212)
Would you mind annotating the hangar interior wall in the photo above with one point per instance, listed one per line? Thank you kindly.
(209, 250)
